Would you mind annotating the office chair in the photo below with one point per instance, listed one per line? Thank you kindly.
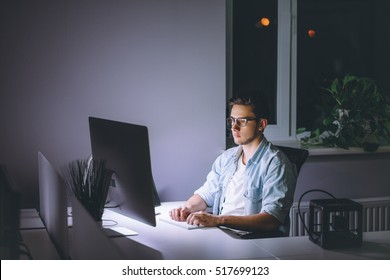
(295, 155)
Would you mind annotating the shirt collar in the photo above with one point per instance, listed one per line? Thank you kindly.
(257, 155)
(260, 150)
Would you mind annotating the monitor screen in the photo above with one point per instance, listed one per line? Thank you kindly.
(125, 148)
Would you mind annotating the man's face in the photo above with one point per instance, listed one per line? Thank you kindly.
(250, 133)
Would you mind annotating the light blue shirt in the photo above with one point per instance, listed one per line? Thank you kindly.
(269, 183)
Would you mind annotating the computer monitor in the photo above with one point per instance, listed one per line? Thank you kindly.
(125, 148)
(53, 205)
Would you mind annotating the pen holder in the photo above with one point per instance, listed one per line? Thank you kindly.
(89, 181)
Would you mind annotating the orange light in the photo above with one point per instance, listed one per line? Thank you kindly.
(311, 33)
(265, 21)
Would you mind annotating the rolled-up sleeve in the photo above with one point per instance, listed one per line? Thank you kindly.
(278, 189)
(210, 188)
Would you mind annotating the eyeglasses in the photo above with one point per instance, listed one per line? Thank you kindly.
(241, 122)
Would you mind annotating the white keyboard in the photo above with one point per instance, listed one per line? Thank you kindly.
(179, 224)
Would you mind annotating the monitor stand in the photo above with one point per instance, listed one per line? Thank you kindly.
(118, 231)
(109, 230)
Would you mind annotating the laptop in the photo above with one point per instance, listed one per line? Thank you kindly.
(53, 205)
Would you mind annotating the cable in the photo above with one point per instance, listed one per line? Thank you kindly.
(299, 204)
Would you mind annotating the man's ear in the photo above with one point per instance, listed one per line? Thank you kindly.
(263, 124)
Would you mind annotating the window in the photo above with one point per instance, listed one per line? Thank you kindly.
(335, 38)
(308, 43)
(255, 49)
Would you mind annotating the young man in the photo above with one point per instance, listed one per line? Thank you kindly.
(251, 186)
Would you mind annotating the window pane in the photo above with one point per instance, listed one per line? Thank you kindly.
(254, 51)
(337, 37)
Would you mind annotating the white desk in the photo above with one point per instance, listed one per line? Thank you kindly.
(178, 243)
(376, 245)
(212, 243)
(35, 236)
(39, 244)
(30, 219)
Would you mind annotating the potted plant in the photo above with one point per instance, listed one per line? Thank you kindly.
(89, 181)
(356, 114)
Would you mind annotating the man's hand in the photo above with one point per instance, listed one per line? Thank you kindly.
(193, 204)
(203, 218)
(179, 214)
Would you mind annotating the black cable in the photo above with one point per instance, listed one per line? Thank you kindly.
(299, 204)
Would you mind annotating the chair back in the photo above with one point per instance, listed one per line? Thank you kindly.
(295, 155)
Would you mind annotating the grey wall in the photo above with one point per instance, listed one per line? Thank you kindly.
(159, 63)
(345, 176)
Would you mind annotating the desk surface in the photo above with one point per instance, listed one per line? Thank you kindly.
(176, 243)
(35, 237)
(212, 243)
(39, 244)
(376, 245)
(30, 219)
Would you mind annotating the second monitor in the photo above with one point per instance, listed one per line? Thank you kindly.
(125, 147)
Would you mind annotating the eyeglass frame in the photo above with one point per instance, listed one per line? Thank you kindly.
(231, 121)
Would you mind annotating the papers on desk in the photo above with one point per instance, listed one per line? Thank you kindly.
(179, 224)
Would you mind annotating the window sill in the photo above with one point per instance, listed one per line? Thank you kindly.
(324, 151)
(320, 151)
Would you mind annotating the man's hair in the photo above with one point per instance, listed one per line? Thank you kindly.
(254, 98)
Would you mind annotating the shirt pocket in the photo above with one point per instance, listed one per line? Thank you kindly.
(253, 194)
(253, 200)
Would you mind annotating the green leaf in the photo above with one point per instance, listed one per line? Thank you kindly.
(328, 121)
(300, 130)
(333, 86)
(348, 78)
(316, 132)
